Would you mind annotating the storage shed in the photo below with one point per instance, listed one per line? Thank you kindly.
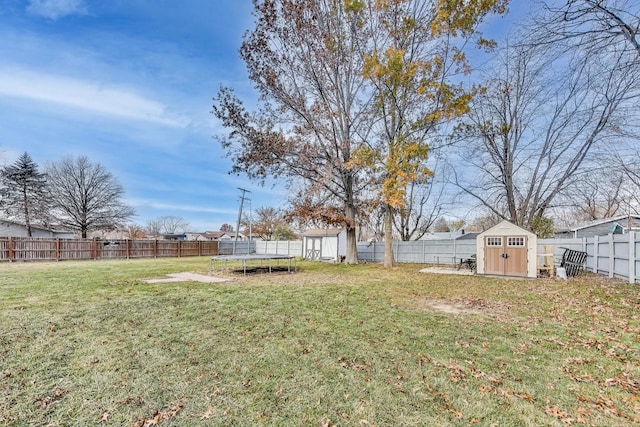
(324, 244)
(507, 250)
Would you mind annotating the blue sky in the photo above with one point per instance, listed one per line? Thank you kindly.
(128, 83)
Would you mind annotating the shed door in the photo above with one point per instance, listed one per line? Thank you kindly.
(505, 255)
(516, 261)
(314, 248)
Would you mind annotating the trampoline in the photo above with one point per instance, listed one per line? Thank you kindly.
(254, 262)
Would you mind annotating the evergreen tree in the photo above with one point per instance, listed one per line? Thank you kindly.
(24, 191)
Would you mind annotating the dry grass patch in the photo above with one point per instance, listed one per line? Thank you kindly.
(462, 306)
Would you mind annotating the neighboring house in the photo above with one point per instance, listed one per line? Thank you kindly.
(441, 235)
(180, 237)
(14, 229)
(449, 235)
(324, 244)
(615, 225)
(219, 235)
(214, 235)
(467, 236)
(108, 235)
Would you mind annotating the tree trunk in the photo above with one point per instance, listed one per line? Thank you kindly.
(388, 236)
(27, 220)
(351, 255)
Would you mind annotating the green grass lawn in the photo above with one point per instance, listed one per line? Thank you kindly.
(88, 343)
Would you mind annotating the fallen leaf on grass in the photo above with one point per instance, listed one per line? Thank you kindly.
(46, 401)
(563, 416)
(625, 382)
(158, 416)
(207, 414)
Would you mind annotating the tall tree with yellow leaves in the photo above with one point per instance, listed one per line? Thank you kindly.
(412, 62)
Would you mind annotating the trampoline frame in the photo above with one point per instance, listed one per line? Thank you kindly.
(246, 258)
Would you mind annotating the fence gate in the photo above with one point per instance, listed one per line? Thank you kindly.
(506, 255)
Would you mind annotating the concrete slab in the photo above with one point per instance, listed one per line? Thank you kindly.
(440, 270)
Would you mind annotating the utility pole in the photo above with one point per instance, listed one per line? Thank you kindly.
(242, 199)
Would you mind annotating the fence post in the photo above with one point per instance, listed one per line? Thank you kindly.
(179, 248)
(455, 256)
(155, 248)
(11, 249)
(58, 249)
(632, 257)
(612, 256)
(596, 249)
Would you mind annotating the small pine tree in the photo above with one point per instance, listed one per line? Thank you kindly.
(24, 191)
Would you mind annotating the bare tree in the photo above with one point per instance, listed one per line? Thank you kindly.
(541, 117)
(134, 231)
(168, 224)
(426, 201)
(227, 228)
(85, 196)
(171, 224)
(154, 227)
(629, 165)
(264, 222)
(24, 193)
(594, 25)
(596, 193)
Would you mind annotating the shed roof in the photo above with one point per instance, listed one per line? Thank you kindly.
(322, 232)
(505, 227)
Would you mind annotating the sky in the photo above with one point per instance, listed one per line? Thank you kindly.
(129, 84)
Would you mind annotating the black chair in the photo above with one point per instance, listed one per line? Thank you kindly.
(573, 262)
(469, 263)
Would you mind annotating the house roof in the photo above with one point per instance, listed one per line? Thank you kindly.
(316, 232)
(468, 236)
(602, 221)
(213, 234)
(52, 228)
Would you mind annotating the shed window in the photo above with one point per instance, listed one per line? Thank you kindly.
(494, 241)
(515, 241)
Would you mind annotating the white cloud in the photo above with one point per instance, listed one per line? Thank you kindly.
(85, 95)
(54, 9)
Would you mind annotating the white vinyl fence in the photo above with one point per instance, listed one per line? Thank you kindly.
(275, 247)
(420, 251)
(613, 255)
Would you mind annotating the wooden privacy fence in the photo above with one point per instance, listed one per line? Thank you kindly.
(54, 249)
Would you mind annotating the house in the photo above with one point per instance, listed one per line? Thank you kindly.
(219, 235)
(467, 236)
(324, 244)
(14, 229)
(616, 225)
(181, 237)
